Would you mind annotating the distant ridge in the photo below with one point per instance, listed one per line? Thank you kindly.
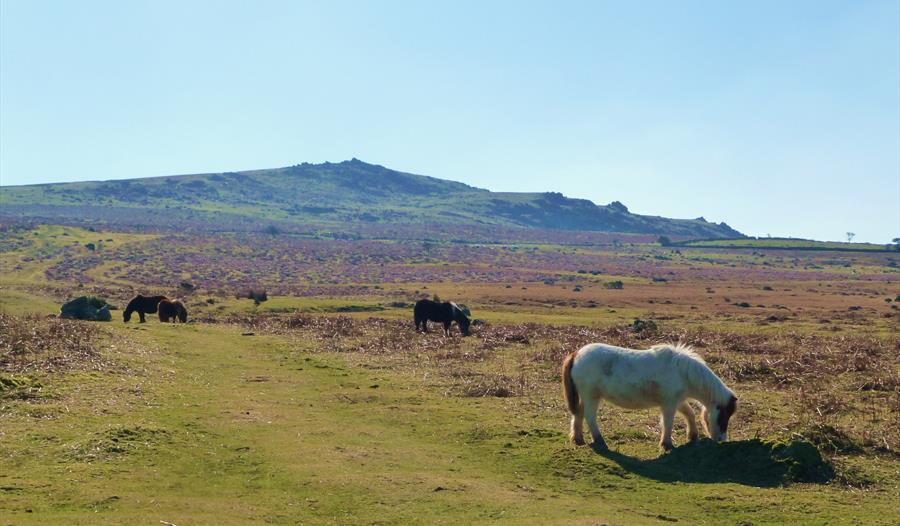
(347, 192)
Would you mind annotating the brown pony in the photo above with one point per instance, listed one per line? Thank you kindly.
(172, 309)
(142, 305)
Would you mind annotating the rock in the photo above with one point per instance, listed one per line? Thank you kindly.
(86, 308)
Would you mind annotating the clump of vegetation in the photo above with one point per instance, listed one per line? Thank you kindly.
(640, 325)
(472, 384)
(20, 387)
(831, 440)
(802, 461)
(119, 441)
(32, 344)
(616, 285)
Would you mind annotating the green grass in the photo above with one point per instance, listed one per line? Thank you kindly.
(196, 424)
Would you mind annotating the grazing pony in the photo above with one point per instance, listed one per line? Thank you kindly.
(142, 305)
(170, 309)
(664, 376)
(446, 313)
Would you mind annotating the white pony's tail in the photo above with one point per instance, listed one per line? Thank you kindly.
(569, 391)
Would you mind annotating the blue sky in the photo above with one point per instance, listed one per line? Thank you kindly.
(779, 118)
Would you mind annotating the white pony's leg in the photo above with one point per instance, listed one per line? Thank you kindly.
(704, 421)
(576, 431)
(591, 404)
(688, 413)
(666, 422)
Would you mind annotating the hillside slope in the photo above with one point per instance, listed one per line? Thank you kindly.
(350, 191)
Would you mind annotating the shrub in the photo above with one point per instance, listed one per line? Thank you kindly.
(640, 325)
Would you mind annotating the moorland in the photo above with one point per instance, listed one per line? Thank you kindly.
(323, 405)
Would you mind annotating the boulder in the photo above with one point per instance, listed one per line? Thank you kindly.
(86, 308)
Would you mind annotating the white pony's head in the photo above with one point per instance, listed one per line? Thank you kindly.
(715, 418)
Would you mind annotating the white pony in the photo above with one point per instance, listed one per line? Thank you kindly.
(664, 376)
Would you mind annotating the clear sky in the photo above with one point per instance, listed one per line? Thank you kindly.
(779, 118)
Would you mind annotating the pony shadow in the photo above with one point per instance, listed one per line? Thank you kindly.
(745, 462)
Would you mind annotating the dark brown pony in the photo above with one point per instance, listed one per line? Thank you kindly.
(142, 305)
(445, 313)
(172, 309)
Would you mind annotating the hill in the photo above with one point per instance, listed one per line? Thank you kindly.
(346, 192)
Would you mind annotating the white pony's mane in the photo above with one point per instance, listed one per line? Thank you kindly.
(694, 366)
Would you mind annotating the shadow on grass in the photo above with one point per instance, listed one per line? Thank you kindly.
(747, 462)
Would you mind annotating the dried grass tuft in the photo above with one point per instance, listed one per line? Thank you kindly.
(33, 344)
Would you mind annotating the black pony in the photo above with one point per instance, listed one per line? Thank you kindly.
(142, 305)
(446, 313)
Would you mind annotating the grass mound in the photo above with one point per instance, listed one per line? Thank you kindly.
(750, 462)
(756, 461)
(118, 441)
(831, 440)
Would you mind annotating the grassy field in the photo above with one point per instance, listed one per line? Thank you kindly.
(330, 409)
